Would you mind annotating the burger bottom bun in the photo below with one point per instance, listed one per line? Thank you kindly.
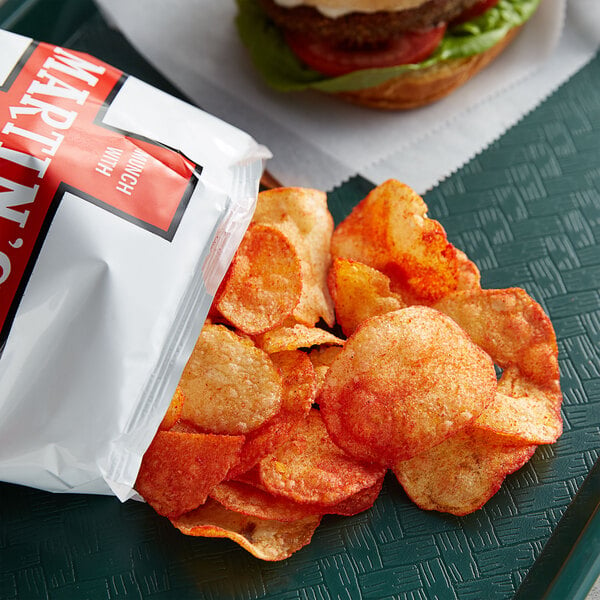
(419, 88)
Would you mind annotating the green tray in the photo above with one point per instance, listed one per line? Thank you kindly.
(527, 210)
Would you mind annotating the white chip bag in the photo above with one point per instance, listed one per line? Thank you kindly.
(120, 210)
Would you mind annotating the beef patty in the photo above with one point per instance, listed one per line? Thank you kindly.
(363, 29)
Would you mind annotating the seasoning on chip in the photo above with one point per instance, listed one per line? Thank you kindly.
(514, 330)
(264, 281)
(404, 382)
(310, 468)
(359, 502)
(299, 390)
(180, 469)
(174, 411)
(251, 500)
(266, 539)
(389, 230)
(302, 215)
(462, 473)
(230, 385)
(521, 418)
(321, 358)
(360, 292)
(295, 337)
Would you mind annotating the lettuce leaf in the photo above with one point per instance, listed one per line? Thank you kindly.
(282, 70)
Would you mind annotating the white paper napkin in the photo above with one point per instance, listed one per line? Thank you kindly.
(320, 141)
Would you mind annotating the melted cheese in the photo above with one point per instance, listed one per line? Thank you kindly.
(338, 8)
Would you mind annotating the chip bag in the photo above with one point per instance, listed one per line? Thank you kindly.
(121, 208)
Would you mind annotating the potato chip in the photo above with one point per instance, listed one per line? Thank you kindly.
(251, 477)
(359, 292)
(174, 411)
(214, 316)
(511, 327)
(250, 500)
(469, 277)
(403, 382)
(310, 468)
(179, 470)
(230, 385)
(299, 390)
(514, 330)
(302, 215)
(264, 538)
(321, 358)
(185, 427)
(357, 503)
(295, 337)
(264, 281)
(462, 473)
(519, 419)
(389, 231)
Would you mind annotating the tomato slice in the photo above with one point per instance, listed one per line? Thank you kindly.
(475, 11)
(328, 59)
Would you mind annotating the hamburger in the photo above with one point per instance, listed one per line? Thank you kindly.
(388, 54)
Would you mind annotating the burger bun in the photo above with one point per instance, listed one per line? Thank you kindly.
(413, 89)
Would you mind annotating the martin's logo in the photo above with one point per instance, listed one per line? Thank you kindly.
(53, 141)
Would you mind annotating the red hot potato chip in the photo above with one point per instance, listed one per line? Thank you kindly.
(230, 385)
(404, 382)
(250, 500)
(514, 330)
(299, 390)
(264, 282)
(310, 468)
(266, 539)
(462, 473)
(390, 231)
(180, 469)
(174, 411)
(302, 215)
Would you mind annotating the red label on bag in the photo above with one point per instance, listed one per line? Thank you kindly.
(53, 141)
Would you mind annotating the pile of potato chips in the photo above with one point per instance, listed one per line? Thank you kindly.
(333, 356)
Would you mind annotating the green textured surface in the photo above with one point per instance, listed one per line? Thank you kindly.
(578, 539)
(527, 210)
(51, 21)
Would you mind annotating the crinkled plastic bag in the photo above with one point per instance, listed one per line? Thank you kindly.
(120, 210)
